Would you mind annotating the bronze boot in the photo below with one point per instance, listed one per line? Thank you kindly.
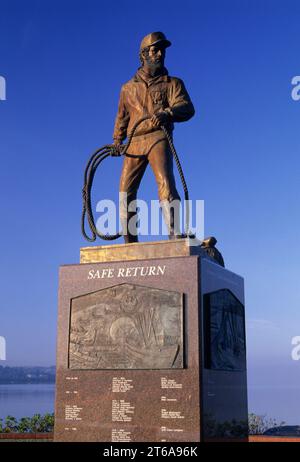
(171, 214)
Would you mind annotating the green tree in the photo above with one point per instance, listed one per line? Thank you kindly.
(24, 425)
(11, 424)
(36, 424)
(258, 424)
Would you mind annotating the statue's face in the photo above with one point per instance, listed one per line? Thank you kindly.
(155, 57)
(157, 54)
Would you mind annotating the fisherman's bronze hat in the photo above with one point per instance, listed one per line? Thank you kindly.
(153, 39)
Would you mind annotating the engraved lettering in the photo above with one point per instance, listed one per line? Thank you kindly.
(121, 385)
(73, 412)
(129, 272)
(91, 274)
(144, 271)
(152, 271)
(110, 273)
(161, 270)
(119, 436)
(121, 410)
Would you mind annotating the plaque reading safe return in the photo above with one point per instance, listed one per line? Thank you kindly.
(127, 326)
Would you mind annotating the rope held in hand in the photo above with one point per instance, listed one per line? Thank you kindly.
(95, 160)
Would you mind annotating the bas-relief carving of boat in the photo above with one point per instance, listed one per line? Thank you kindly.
(143, 331)
(155, 357)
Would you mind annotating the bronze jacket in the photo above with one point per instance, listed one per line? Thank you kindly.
(142, 96)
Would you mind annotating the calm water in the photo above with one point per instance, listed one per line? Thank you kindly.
(26, 400)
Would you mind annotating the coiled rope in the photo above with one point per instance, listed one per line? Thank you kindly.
(115, 151)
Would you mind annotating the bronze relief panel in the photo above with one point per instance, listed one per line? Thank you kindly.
(127, 326)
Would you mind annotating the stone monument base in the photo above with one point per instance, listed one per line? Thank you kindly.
(151, 346)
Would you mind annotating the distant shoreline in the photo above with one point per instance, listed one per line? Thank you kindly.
(27, 375)
(27, 383)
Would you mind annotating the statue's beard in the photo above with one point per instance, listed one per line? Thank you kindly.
(154, 68)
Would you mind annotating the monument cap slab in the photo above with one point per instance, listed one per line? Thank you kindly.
(142, 251)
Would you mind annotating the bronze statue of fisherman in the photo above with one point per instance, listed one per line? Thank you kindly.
(164, 99)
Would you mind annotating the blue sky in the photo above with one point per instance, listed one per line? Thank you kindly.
(64, 63)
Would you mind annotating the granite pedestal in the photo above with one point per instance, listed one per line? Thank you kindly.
(151, 346)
